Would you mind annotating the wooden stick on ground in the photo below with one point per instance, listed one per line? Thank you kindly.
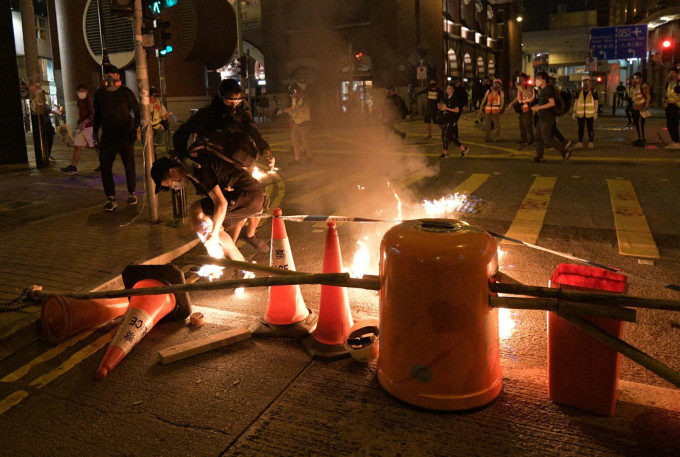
(624, 314)
(624, 348)
(582, 296)
(201, 345)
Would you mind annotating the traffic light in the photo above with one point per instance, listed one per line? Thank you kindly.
(163, 36)
(359, 56)
(123, 8)
(667, 48)
(152, 8)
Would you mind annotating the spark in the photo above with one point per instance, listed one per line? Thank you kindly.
(241, 291)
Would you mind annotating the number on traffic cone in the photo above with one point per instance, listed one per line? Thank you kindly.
(335, 317)
(286, 314)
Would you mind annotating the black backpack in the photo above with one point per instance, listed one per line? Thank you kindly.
(562, 102)
(237, 148)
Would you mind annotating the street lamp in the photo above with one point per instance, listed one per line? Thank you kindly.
(520, 18)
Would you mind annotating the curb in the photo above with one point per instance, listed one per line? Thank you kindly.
(29, 330)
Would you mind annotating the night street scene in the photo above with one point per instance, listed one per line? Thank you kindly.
(340, 228)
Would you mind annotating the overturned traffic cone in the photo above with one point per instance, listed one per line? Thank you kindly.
(286, 315)
(62, 317)
(335, 317)
(144, 311)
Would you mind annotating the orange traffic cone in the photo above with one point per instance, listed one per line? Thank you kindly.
(62, 317)
(286, 314)
(335, 317)
(142, 314)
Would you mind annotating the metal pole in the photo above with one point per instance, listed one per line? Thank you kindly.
(161, 91)
(102, 34)
(239, 35)
(351, 79)
(147, 130)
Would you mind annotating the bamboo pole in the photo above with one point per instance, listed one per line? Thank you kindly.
(329, 279)
(623, 314)
(624, 348)
(582, 296)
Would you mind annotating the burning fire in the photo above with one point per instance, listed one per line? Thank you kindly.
(506, 324)
(444, 206)
(241, 291)
(361, 260)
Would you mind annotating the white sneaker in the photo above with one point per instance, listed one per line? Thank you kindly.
(673, 146)
(578, 145)
(590, 145)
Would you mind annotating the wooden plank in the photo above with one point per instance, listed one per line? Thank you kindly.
(632, 230)
(527, 224)
(201, 345)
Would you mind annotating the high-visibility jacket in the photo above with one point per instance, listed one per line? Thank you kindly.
(301, 112)
(525, 96)
(586, 104)
(672, 97)
(638, 96)
(493, 102)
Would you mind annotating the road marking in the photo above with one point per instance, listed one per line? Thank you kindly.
(471, 184)
(527, 224)
(632, 230)
(304, 176)
(12, 400)
(74, 360)
(48, 355)
(325, 190)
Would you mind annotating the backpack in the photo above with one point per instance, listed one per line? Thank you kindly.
(562, 102)
(237, 148)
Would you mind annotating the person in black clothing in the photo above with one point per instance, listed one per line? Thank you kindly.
(116, 111)
(451, 107)
(434, 94)
(546, 119)
(394, 110)
(232, 195)
(227, 113)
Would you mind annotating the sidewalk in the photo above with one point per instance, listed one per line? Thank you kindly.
(65, 242)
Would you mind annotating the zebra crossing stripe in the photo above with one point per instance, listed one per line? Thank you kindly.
(325, 190)
(632, 230)
(471, 184)
(528, 221)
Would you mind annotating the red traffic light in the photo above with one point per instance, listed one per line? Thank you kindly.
(359, 55)
(599, 79)
(666, 44)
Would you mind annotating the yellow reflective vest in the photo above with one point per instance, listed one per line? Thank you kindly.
(671, 96)
(586, 104)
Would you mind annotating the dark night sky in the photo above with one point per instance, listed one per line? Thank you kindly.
(537, 12)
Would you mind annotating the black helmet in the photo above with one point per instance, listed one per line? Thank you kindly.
(297, 86)
(228, 88)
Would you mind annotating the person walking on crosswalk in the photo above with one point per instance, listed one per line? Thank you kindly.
(585, 111)
(642, 97)
(546, 119)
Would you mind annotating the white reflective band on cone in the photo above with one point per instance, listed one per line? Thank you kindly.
(365, 352)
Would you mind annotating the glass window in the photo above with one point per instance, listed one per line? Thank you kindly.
(41, 27)
(350, 12)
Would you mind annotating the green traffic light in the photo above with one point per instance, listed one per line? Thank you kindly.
(169, 3)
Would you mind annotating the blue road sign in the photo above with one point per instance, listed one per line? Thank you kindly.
(622, 42)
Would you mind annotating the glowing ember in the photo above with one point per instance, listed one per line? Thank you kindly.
(444, 206)
(361, 260)
(241, 291)
(399, 215)
(360, 187)
(257, 174)
(210, 271)
(506, 325)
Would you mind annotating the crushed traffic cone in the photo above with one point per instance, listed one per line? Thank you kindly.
(286, 315)
(335, 317)
(62, 317)
(144, 311)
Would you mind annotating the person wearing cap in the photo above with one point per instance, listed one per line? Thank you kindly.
(559, 95)
(546, 119)
(227, 112)
(585, 111)
(434, 95)
(672, 100)
(300, 120)
(493, 105)
(231, 195)
(116, 112)
(642, 97)
(526, 96)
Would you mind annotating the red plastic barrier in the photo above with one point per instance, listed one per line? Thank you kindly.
(581, 371)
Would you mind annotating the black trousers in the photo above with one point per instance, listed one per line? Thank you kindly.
(109, 146)
(450, 134)
(582, 122)
(639, 123)
(672, 119)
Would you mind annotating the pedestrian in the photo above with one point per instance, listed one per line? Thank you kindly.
(84, 130)
(546, 119)
(451, 107)
(159, 116)
(116, 112)
(493, 105)
(434, 95)
(629, 102)
(522, 103)
(672, 101)
(562, 106)
(641, 99)
(227, 113)
(394, 110)
(620, 94)
(585, 111)
(230, 194)
(301, 121)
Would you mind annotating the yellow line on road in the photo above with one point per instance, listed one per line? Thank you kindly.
(527, 224)
(335, 185)
(303, 176)
(74, 360)
(280, 192)
(12, 400)
(632, 230)
(471, 184)
(48, 355)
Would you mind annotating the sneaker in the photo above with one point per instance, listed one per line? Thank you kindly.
(673, 146)
(110, 205)
(445, 156)
(98, 169)
(52, 159)
(578, 145)
(539, 159)
(566, 155)
(465, 151)
(70, 170)
(590, 145)
(132, 199)
(257, 242)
